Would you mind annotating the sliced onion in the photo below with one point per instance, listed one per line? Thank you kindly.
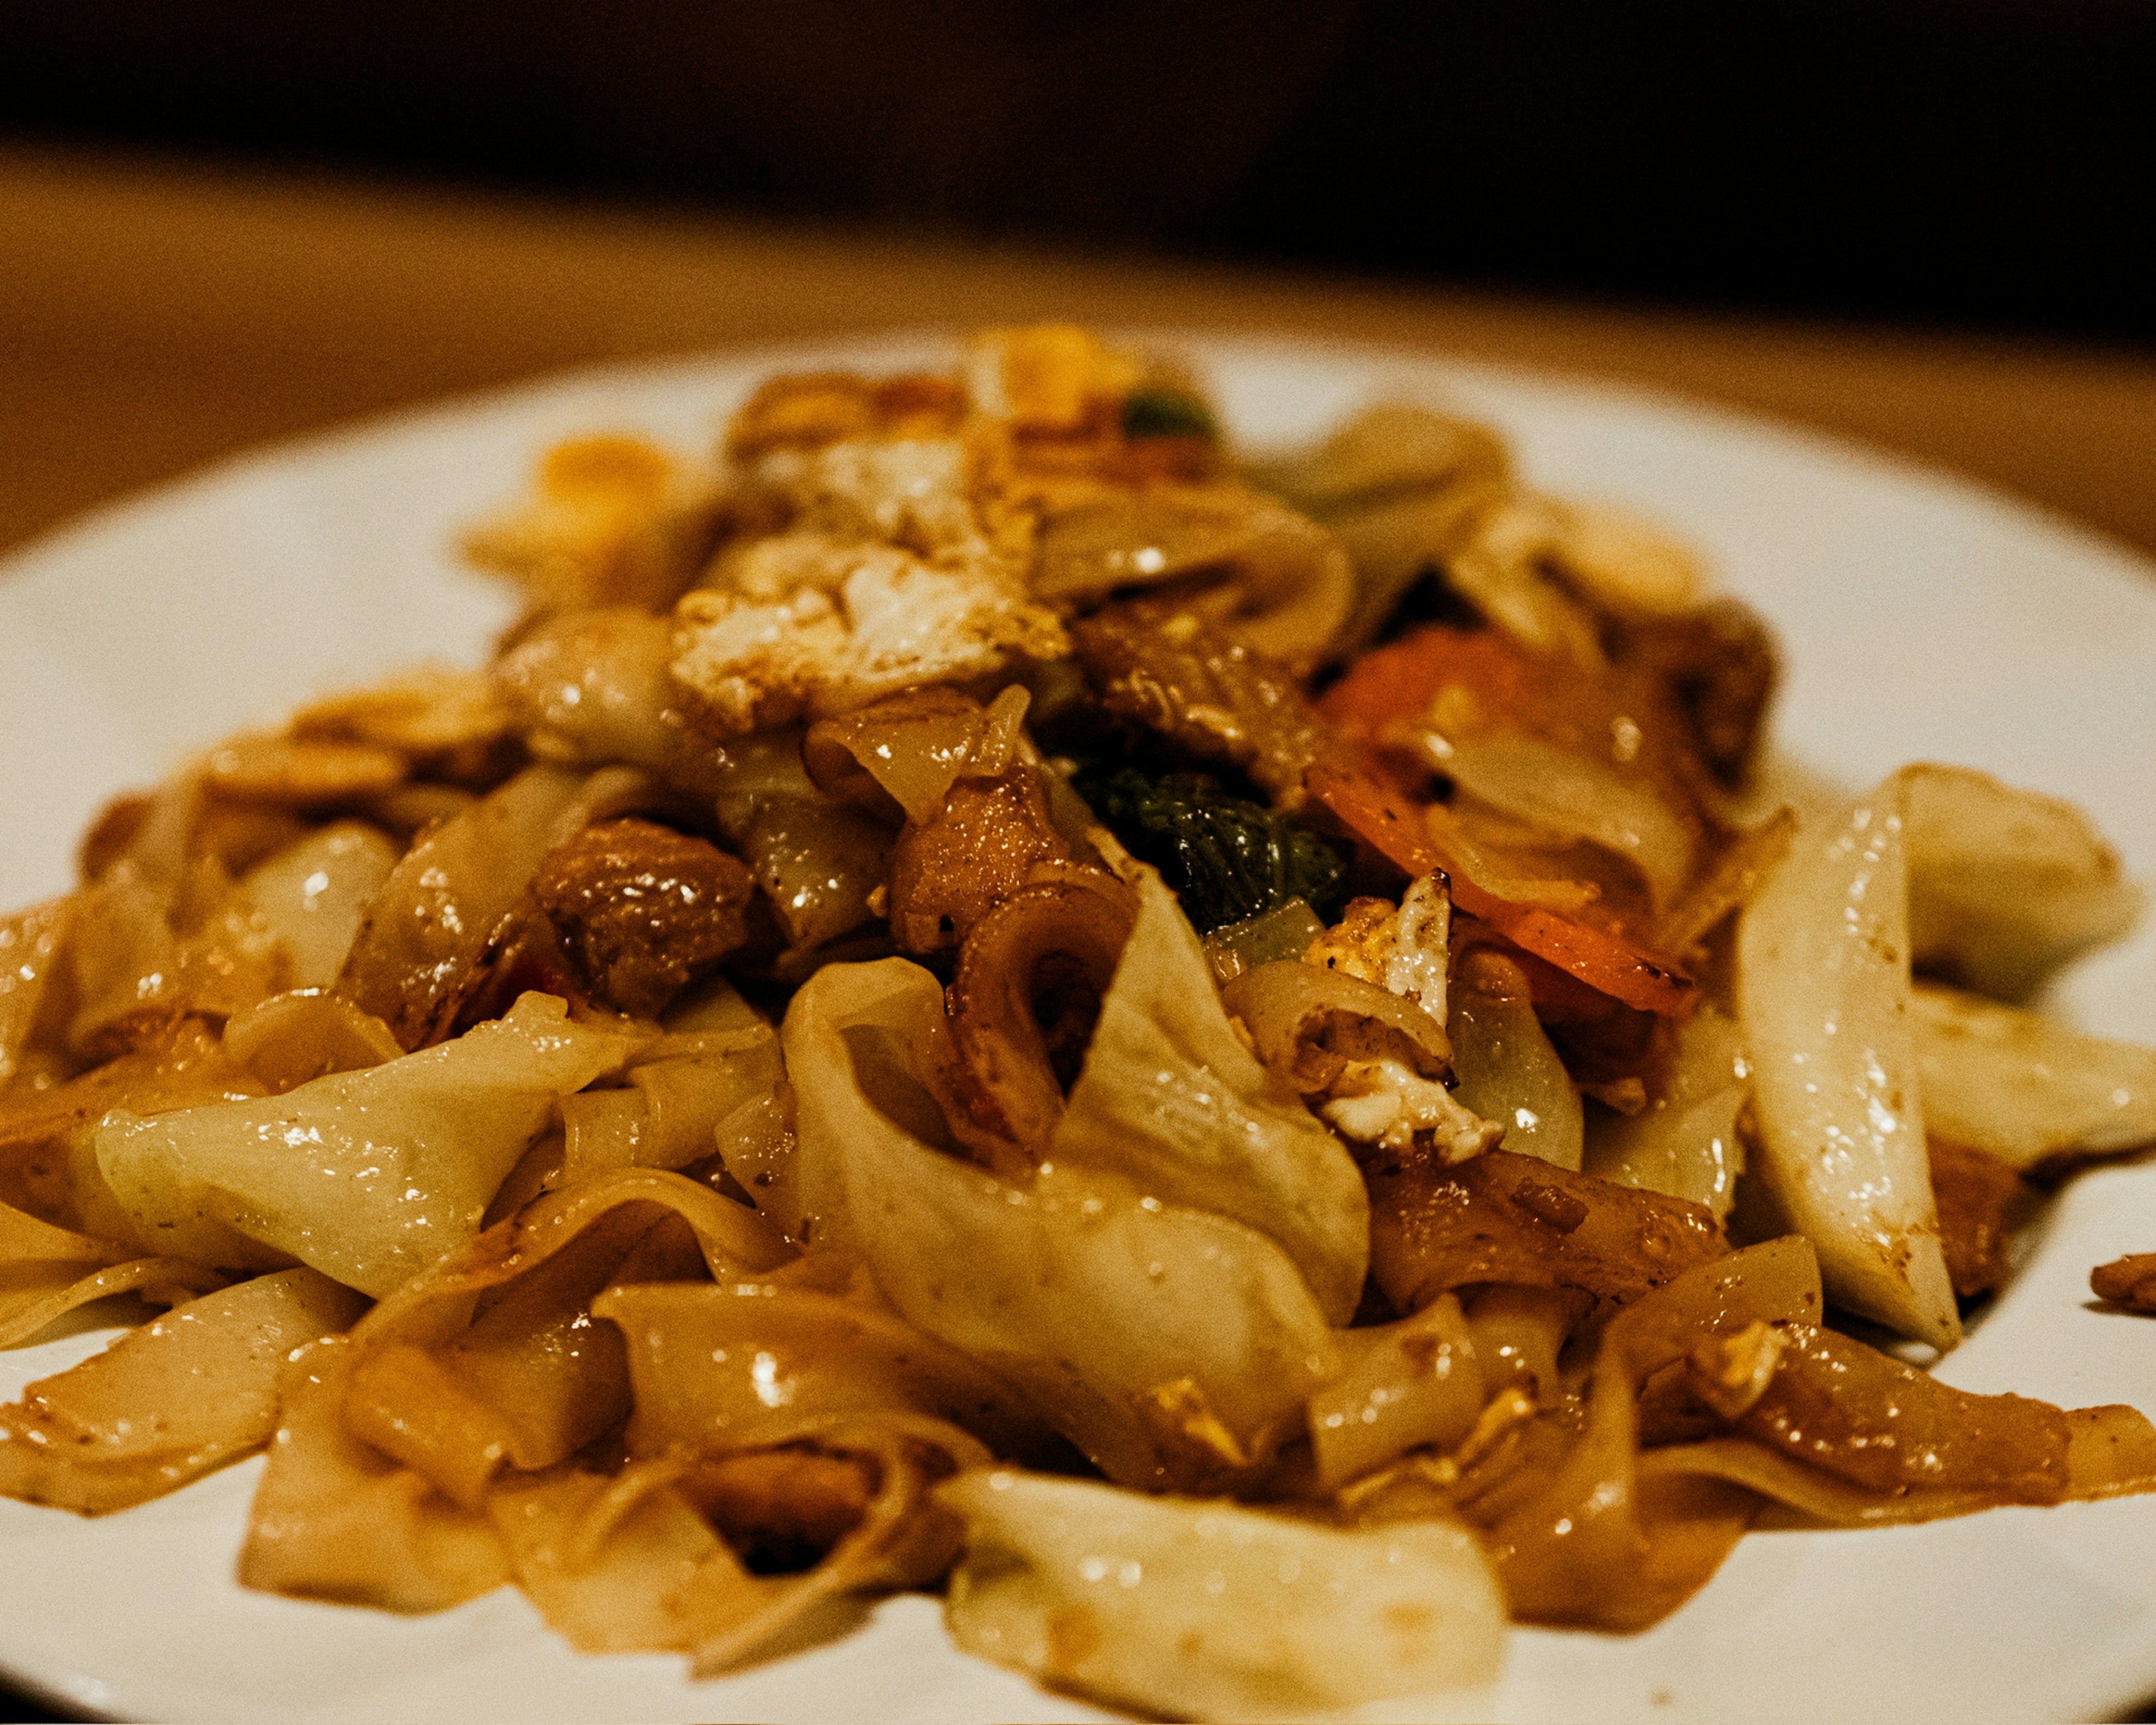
(2025, 1089)
(1509, 1072)
(1563, 792)
(2005, 884)
(1823, 991)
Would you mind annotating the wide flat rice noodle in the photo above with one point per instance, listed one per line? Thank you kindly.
(311, 896)
(817, 858)
(670, 1112)
(371, 1176)
(730, 1363)
(46, 1272)
(633, 1562)
(1171, 1100)
(1851, 1411)
(2005, 884)
(1502, 1218)
(1193, 1608)
(168, 1402)
(336, 1518)
(1684, 1142)
(417, 955)
(31, 944)
(1169, 1343)
(1823, 991)
(291, 1039)
(2111, 1452)
(2023, 1088)
(533, 1378)
(619, 1563)
(1417, 1382)
(1597, 1545)
(1509, 1072)
(47, 1164)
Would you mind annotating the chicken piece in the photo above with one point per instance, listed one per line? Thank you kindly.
(2129, 1282)
(992, 837)
(1165, 668)
(1718, 662)
(641, 908)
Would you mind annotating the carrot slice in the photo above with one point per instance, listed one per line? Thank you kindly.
(1396, 682)
(1393, 825)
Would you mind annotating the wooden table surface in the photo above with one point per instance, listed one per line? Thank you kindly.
(155, 315)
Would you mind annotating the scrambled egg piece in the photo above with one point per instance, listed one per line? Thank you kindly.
(1404, 952)
(613, 521)
(896, 570)
(885, 531)
(1389, 1104)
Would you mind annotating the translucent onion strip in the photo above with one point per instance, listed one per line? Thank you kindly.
(2026, 1089)
(1823, 987)
(1564, 792)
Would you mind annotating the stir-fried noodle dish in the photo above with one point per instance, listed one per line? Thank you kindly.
(1225, 1060)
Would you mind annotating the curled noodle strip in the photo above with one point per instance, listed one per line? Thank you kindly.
(1599, 1546)
(168, 1402)
(450, 1442)
(634, 1564)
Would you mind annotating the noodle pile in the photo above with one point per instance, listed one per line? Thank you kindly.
(1205, 1057)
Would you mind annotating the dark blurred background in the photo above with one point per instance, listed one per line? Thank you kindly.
(1985, 162)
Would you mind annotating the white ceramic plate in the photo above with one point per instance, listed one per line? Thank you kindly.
(1922, 616)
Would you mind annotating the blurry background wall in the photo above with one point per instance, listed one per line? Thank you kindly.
(1976, 161)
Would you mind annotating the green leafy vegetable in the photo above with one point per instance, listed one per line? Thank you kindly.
(1227, 859)
(1167, 412)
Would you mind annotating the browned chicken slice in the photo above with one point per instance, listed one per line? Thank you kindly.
(992, 837)
(1165, 668)
(2129, 1282)
(1719, 664)
(642, 908)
